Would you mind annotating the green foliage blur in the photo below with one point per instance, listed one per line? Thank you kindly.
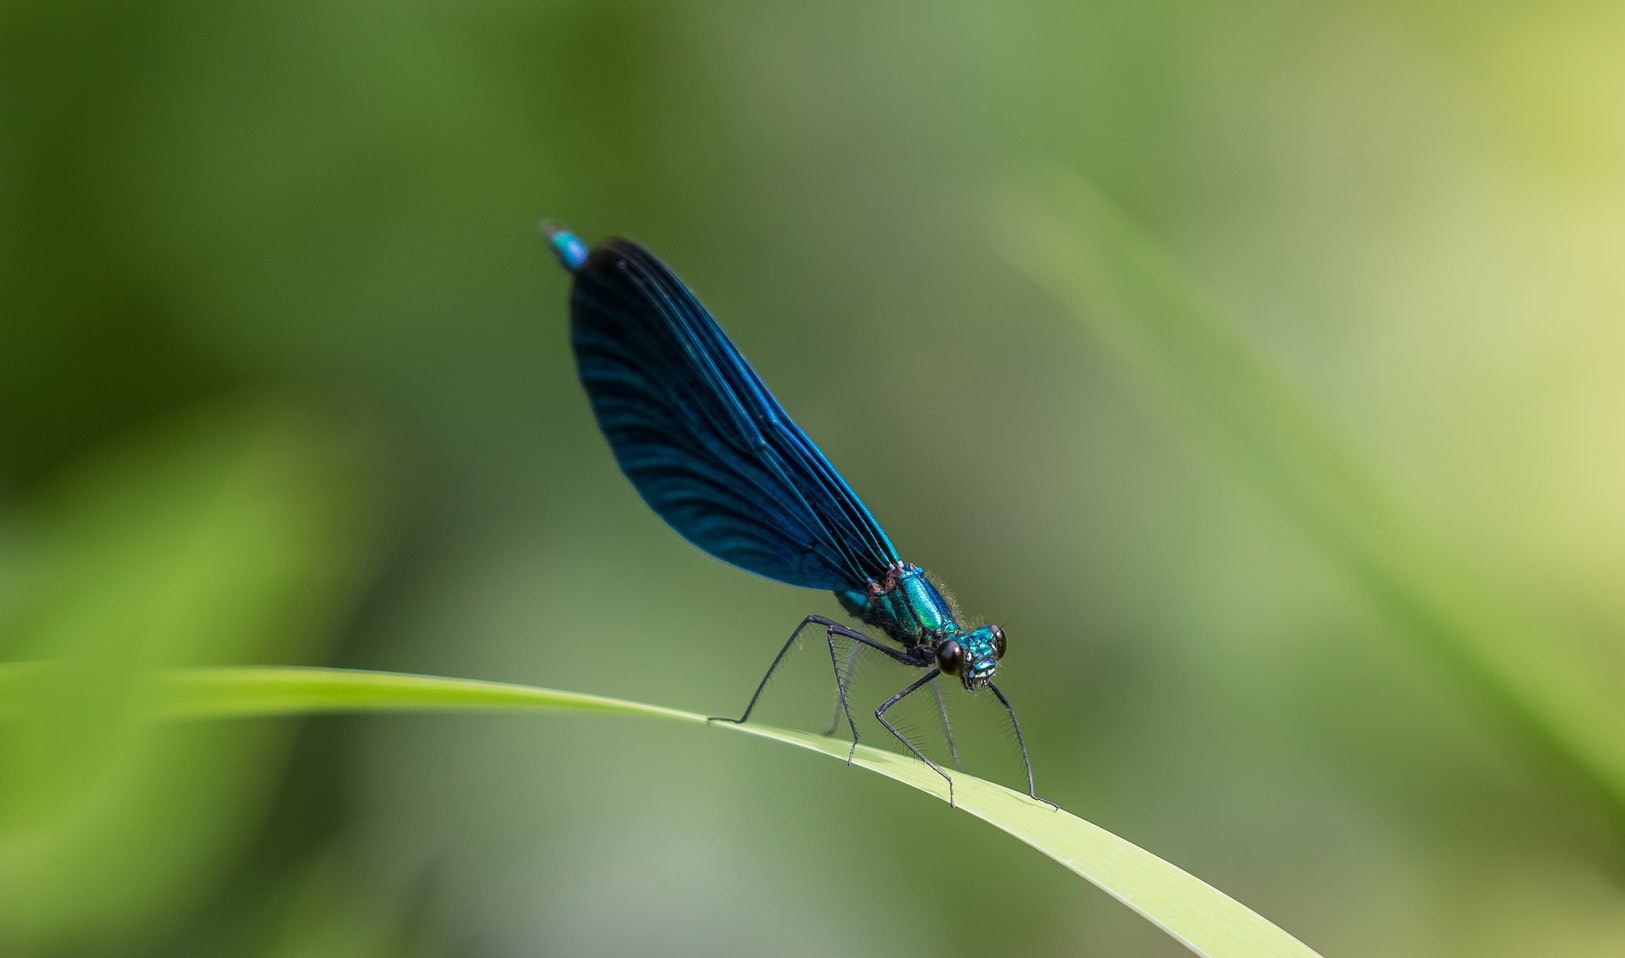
(284, 379)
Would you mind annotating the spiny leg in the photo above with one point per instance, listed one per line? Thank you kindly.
(840, 701)
(1023, 745)
(840, 692)
(947, 726)
(831, 628)
(776, 660)
(880, 713)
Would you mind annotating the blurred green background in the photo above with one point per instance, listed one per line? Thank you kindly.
(284, 379)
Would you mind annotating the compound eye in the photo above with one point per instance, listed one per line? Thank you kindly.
(950, 657)
(998, 641)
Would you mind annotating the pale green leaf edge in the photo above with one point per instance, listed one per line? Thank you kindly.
(1204, 919)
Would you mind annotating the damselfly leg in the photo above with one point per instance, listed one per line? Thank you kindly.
(880, 713)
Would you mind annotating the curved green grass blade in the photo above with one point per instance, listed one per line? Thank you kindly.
(1200, 916)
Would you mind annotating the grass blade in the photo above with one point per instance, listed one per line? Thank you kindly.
(1204, 919)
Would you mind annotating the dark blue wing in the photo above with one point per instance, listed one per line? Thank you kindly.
(701, 438)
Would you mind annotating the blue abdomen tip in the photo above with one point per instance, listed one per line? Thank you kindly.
(567, 246)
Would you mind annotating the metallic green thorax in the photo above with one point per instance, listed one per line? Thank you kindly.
(907, 607)
(911, 611)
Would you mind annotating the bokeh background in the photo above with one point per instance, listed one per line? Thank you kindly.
(284, 379)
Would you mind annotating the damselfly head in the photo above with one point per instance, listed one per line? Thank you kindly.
(973, 656)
